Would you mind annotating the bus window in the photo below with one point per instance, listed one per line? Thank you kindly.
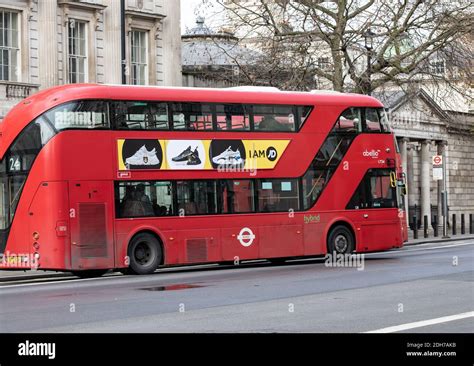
(382, 194)
(141, 199)
(233, 117)
(141, 115)
(236, 196)
(374, 191)
(372, 120)
(314, 182)
(349, 121)
(83, 114)
(303, 113)
(192, 116)
(3, 204)
(196, 197)
(278, 195)
(384, 120)
(273, 118)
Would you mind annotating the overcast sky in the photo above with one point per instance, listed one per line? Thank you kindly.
(188, 15)
(212, 15)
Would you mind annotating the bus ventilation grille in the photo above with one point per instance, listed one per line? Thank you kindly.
(93, 231)
(196, 250)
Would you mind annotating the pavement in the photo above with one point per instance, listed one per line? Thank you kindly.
(431, 283)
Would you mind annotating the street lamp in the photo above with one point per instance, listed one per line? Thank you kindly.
(369, 45)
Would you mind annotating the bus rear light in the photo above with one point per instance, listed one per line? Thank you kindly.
(36, 236)
(36, 255)
(36, 245)
(61, 228)
(390, 163)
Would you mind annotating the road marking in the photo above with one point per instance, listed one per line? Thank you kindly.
(406, 250)
(423, 323)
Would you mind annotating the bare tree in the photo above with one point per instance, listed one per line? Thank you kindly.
(303, 41)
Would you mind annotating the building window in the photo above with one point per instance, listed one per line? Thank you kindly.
(437, 67)
(77, 52)
(9, 46)
(139, 58)
(324, 63)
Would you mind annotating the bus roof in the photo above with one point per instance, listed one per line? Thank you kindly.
(30, 108)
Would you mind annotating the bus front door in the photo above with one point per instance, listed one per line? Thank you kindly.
(91, 217)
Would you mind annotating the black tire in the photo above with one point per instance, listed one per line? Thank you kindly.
(145, 254)
(341, 240)
(90, 273)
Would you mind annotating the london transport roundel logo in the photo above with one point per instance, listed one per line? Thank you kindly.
(246, 237)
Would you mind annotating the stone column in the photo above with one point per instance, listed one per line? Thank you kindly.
(48, 43)
(404, 154)
(441, 147)
(410, 177)
(113, 46)
(425, 181)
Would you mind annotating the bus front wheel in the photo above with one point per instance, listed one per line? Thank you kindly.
(145, 254)
(341, 240)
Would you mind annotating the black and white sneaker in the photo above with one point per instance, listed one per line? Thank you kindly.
(193, 159)
(184, 155)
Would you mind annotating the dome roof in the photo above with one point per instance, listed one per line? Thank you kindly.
(203, 47)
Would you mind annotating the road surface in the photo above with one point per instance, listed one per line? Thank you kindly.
(422, 288)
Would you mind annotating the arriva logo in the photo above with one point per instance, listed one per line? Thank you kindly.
(372, 153)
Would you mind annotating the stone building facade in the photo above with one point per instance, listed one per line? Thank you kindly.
(425, 129)
(44, 43)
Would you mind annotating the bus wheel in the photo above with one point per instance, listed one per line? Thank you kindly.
(145, 254)
(341, 240)
(90, 273)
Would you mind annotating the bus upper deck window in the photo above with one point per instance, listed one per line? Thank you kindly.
(372, 120)
(136, 115)
(384, 121)
(274, 118)
(85, 114)
(349, 121)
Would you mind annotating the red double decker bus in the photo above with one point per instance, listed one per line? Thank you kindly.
(96, 177)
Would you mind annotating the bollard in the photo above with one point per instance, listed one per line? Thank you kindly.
(435, 226)
(415, 227)
(471, 225)
(463, 228)
(454, 224)
(425, 226)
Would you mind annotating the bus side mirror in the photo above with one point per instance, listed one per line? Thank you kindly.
(404, 190)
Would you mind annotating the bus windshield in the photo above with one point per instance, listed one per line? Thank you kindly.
(17, 163)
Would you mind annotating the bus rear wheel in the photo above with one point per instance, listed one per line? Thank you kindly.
(341, 240)
(145, 254)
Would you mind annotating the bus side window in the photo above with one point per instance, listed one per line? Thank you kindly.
(374, 191)
(372, 120)
(274, 118)
(349, 121)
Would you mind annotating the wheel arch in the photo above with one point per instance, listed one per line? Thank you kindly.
(148, 230)
(340, 221)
